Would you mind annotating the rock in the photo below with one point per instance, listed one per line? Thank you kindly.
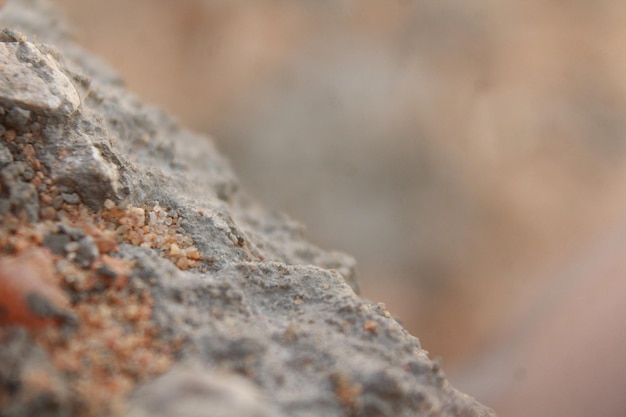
(87, 251)
(165, 261)
(31, 80)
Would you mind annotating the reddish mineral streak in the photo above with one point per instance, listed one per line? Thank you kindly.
(29, 295)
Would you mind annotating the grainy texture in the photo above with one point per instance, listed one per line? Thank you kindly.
(145, 261)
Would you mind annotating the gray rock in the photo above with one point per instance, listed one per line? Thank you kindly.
(87, 251)
(32, 80)
(275, 322)
(56, 243)
(78, 155)
(71, 198)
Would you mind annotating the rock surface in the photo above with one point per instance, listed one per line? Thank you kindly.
(151, 285)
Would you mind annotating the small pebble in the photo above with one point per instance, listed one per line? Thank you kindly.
(87, 251)
(56, 243)
(71, 247)
(74, 232)
(109, 204)
(72, 198)
(174, 249)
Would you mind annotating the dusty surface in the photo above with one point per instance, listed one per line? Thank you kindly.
(127, 253)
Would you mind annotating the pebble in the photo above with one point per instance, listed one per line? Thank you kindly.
(56, 243)
(109, 204)
(87, 251)
(32, 81)
(74, 232)
(71, 247)
(71, 198)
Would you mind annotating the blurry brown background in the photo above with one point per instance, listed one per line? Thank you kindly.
(470, 155)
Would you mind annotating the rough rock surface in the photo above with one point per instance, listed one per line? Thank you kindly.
(136, 279)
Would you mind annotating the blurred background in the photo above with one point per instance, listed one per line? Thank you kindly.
(470, 155)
